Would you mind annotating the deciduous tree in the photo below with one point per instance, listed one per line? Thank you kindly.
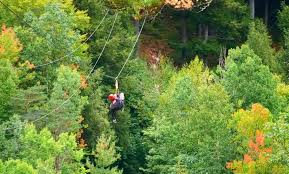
(248, 81)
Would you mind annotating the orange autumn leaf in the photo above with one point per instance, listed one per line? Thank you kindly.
(258, 108)
(260, 138)
(247, 158)
(83, 82)
(257, 154)
(188, 4)
(75, 66)
(29, 64)
(82, 143)
(2, 49)
(268, 150)
(180, 4)
(253, 146)
(248, 121)
(10, 46)
(229, 165)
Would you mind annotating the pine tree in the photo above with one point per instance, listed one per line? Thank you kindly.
(105, 156)
(96, 120)
(10, 132)
(260, 42)
(65, 102)
(8, 85)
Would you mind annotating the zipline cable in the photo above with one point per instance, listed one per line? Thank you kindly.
(87, 77)
(132, 50)
(6, 6)
(59, 59)
(78, 46)
(92, 69)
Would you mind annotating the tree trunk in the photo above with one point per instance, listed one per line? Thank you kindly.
(57, 165)
(252, 8)
(266, 15)
(200, 31)
(206, 34)
(137, 30)
(184, 34)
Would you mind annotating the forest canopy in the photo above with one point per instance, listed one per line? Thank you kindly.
(144, 87)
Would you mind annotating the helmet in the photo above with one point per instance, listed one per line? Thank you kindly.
(112, 97)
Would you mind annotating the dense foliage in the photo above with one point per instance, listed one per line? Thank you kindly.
(205, 87)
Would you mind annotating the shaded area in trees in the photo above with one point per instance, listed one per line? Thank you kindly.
(183, 113)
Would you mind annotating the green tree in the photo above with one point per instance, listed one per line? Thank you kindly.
(276, 132)
(57, 39)
(16, 167)
(245, 123)
(248, 81)
(28, 102)
(10, 46)
(8, 85)
(260, 42)
(283, 15)
(120, 42)
(283, 20)
(189, 131)
(137, 7)
(38, 7)
(49, 155)
(224, 23)
(105, 156)
(283, 95)
(9, 52)
(228, 18)
(10, 132)
(96, 120)
(138, 85)
(65, 102)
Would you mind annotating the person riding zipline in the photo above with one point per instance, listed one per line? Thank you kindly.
(117, 103)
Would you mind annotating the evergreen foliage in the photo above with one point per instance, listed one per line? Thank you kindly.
(189, 126)
(182, 113)
(248, 81)
(260, 42)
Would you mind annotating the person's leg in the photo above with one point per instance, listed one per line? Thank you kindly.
(112, 115)
(114, 108)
